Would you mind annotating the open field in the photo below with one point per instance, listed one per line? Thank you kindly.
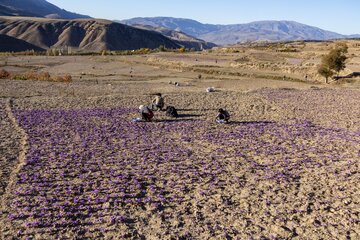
(74, 165)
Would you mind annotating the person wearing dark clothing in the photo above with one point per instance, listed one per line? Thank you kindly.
(171, 112)
(223, 116)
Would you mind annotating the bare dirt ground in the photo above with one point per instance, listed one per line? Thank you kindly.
(74, 166)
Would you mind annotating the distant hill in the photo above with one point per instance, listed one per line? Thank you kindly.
(239, 33)
(10, 44)
(180, 38)
(187, 26)
(35, 8)
(82, 34)
(8, 11)
(354, 36)
(268, 31)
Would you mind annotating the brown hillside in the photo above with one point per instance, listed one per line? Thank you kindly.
(10, 44)
(81, 34)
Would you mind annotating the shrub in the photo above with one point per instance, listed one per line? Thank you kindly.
(182, 50)
(31, 75)
(243, 59)
(67, 78)
(19, 77)
(4, 74)
(161, 48)
(143, 51)
(288, 50)
(44, 76)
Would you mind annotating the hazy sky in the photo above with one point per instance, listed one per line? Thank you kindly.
(341, 16)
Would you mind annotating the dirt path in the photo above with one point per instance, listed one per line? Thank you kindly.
(23, 148)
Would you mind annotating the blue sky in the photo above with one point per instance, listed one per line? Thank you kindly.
(341, 16)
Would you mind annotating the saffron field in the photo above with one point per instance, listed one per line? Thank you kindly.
(92, 173)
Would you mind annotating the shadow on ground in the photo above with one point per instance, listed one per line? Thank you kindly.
(249, 122)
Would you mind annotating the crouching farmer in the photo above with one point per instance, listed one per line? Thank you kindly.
(146, 113)
(158, 102)
(171, 112)
(223, 116)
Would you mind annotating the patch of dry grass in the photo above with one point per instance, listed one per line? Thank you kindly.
(37, 76)
(4, 74)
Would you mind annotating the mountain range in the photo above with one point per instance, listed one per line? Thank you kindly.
(240, 33)
(47, 26)
(179, 37)
(40, 25)
(35, 8)
(81, 34)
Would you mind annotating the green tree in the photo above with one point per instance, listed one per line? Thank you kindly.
(161, 48)
(325, 71)
(182, 49)
(334, 61)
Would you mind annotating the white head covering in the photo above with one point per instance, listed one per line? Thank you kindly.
(144, 109)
